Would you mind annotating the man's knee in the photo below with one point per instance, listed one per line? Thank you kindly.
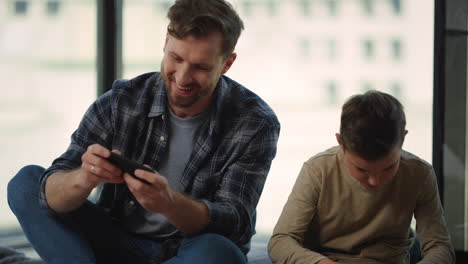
(23, 188)
(217, 249)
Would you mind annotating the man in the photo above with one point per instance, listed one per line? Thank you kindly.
(354, 203)
(210, 140)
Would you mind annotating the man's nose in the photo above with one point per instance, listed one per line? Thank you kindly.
(183, 75)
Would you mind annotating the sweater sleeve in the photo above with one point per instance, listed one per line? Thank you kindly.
(286, 244)
(430, 225)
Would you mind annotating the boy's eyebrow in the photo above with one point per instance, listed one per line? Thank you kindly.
(359, 168)
(387, 168)
(393, 164)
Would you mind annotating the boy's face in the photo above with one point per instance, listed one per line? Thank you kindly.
(373, 174)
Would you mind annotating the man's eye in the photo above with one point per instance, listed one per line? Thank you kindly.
(175, 58)
(203, 68)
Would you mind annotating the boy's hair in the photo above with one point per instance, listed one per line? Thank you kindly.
(372, 124)
(201, 17)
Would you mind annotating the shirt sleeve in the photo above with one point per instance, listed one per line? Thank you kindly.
(232, 209)
(430, 225)
(286, 243)
(95, 127)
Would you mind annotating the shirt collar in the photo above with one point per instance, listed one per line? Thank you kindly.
(221, 94)
(158, 108)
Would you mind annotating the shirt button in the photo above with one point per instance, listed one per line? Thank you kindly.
(161, 138)
(132, 203)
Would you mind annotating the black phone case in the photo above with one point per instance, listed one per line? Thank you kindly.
(127, 165)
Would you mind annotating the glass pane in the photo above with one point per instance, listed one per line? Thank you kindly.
(455, 147)
(305, 62)
(47, 64)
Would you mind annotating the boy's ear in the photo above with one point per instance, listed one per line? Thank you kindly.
(338, 139)
(404, 136)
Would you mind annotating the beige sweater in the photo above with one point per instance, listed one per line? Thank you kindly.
(329, 213)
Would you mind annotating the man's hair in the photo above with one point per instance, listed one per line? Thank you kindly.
(372, 124)
(202, 17)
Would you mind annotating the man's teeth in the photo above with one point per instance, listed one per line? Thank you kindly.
(184, 88)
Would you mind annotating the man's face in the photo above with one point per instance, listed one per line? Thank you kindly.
(373, 174)
(191, 68)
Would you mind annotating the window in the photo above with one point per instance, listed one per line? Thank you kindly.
(332, 49)
(297, 91)
(451, 108)
(305, 7)
(53, 7)
(332, 93)
(367, 86)
(247, 7)
(20, 7)
(164, 6)
(51, 82)
(305, 50)
(397, 91)
(368, 7)
(60, 64)
(397, 48)
(368, 47)
(272, 7)
(332, 6)
(396, 6)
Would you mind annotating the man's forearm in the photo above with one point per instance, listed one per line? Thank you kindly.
(188, 215)
(65, 192)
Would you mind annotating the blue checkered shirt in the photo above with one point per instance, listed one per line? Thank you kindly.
(226, 170)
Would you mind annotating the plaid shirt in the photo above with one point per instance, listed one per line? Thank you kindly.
(226, 170)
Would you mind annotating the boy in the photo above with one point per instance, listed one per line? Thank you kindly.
(354, 202)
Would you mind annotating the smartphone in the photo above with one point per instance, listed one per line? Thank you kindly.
(127, 165)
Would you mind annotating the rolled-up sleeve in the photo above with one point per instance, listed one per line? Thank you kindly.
(95, 127)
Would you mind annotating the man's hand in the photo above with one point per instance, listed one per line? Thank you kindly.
(67, 190)
(326, 261)
(96, 169)
(157, 196)
(186, 214)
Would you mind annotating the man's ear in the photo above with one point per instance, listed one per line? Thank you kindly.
(165, 42)
(229, 61)
(338, 139)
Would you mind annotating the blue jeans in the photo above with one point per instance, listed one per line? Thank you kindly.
(415, 250)
(89, 235)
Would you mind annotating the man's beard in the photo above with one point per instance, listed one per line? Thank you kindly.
(179, 101)
(174, 100)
